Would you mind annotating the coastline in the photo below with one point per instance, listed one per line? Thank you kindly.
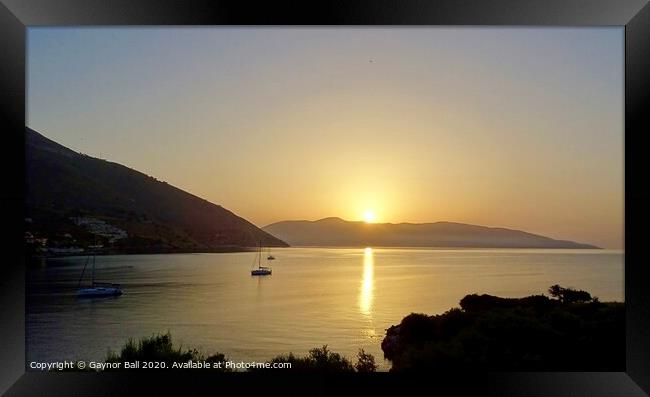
(218, 250)
(235, 249)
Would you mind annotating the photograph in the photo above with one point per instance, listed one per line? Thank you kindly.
(319, 199)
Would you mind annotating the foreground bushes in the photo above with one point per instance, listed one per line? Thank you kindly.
(323, 360)
(572, 333)
(159, 348)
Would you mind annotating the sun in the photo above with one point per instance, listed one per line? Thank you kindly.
(369, 216)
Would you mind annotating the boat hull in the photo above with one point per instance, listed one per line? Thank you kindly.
(261, 272)
(98, 292)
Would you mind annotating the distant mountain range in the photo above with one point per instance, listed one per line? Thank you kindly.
(72, 197)
(338, 232)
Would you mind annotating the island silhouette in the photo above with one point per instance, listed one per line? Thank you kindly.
(338, 232)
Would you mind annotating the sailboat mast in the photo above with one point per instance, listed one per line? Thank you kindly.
(83, 271)
(94, 248)
(259, 258)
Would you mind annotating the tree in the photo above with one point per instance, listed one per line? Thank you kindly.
(324, 359)
(555, 291)
(365, 362)
(569, 295)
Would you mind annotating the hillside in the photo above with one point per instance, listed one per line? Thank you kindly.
(338, 232)
(71, 197)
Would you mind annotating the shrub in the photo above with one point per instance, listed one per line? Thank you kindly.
(571, 333)
(319, 360)
(365, 362)
(569, 295)
(159, 348)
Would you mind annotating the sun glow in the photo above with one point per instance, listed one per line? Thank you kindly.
(366, 292)
(369, 216)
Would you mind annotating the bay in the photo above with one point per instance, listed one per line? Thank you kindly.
(342, 297)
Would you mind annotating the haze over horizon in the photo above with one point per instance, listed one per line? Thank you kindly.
(519, 128)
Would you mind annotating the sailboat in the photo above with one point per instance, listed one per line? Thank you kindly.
(96, 289)
(261, 270)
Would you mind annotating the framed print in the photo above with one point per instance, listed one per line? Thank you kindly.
(320, 196)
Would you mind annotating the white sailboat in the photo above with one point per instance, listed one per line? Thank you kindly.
(261, 270)
(96, 289)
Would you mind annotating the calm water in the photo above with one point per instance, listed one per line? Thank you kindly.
(345, 298)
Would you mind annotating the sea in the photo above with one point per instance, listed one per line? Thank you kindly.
(344, 298)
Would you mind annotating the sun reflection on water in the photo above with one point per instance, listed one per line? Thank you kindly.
(367, 283)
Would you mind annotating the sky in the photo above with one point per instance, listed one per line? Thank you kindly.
(508, 127)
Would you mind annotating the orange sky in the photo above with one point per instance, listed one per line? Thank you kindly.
(519, 128)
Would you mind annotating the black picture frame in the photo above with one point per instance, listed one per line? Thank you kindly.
(17, 15)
